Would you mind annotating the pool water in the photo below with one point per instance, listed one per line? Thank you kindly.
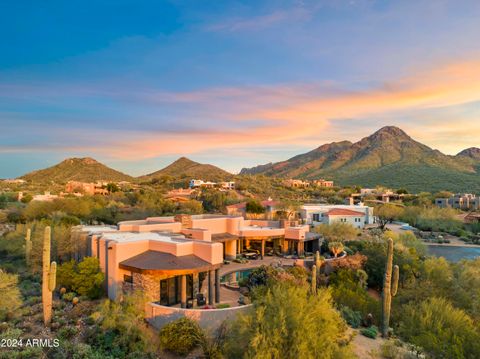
(454, 253)
(235, 277)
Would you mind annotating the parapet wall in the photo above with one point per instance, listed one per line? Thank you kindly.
(209, 319)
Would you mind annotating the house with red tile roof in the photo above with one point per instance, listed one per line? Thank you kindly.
(356, 215)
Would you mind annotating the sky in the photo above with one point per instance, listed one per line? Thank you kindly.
(137, 84)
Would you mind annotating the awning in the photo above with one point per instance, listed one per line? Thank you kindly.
(223, 237)
(155, 262)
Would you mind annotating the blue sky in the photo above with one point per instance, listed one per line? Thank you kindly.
(136, 84)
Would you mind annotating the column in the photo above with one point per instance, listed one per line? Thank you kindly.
(263, 248)
(211, 284)
(217, 286)
(301, 250)
(196, 285)
(183, 291)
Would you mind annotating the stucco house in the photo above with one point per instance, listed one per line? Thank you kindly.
(356, 215)
(172, 259)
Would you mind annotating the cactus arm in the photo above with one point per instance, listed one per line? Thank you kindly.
(52, 277)
(396, 273)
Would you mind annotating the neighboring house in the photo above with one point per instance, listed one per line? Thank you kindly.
(322, 183)
(354, 218)
(14, 181)
(86, 188)
(465, 201)
(296, 183)
(196, 183)
(230, 185)
(46, 197)
(357, 215)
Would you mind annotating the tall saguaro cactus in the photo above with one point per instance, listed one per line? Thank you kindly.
(49, 276)
(314, 279)
(318, 260)
(28, 247)
(390, 286)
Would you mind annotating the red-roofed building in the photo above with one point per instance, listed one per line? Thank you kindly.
(356, 215)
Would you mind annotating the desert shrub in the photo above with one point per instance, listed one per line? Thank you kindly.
(389, 350)
(10, 298)
(85, 278)
(89, 279)
(69, 296)
(120, 330)
(348, 290)
(65, 274)
(352, 317)
(67, 332)
(181, 336)
(287, 322)
(441, 329)
(370, 332)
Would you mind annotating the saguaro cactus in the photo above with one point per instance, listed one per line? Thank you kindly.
(49, 276)
(28, 247)
(318, 260)
(314, 279)
(389, 288)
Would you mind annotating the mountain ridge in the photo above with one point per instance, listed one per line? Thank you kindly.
(185, 167)
(84, 169)
(365, 162)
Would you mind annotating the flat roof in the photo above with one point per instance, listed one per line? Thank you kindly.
(122, 237)
(165, 263)
(97, 229)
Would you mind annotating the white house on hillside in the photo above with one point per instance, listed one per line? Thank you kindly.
(357, 215)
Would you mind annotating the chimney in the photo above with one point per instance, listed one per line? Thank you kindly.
(184, 219)
(349, 201)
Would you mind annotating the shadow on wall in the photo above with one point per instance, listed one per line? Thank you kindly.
(209, 319)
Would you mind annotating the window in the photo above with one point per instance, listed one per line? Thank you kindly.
(316, 217)
(127, 278)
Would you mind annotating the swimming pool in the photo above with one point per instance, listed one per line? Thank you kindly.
(235, 277)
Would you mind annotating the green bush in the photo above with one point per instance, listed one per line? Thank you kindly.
(370, 332)
(69, 296)
(181, 336)
(222, 306)
(352, 317)
(10, 298)
(85, 278)
(67, 332)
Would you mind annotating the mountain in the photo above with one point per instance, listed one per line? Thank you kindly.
(76, 169)
(472, 152)
(388, 157)
(184, 167)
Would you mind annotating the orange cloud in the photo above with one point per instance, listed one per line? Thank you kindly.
(290, 114)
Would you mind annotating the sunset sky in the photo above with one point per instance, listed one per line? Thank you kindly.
(136, 84)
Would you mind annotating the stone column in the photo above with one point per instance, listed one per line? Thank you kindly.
(183, 291)
(217, 286)
(301, 250)
(211, 284)
(196, 285)
(263, 248)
